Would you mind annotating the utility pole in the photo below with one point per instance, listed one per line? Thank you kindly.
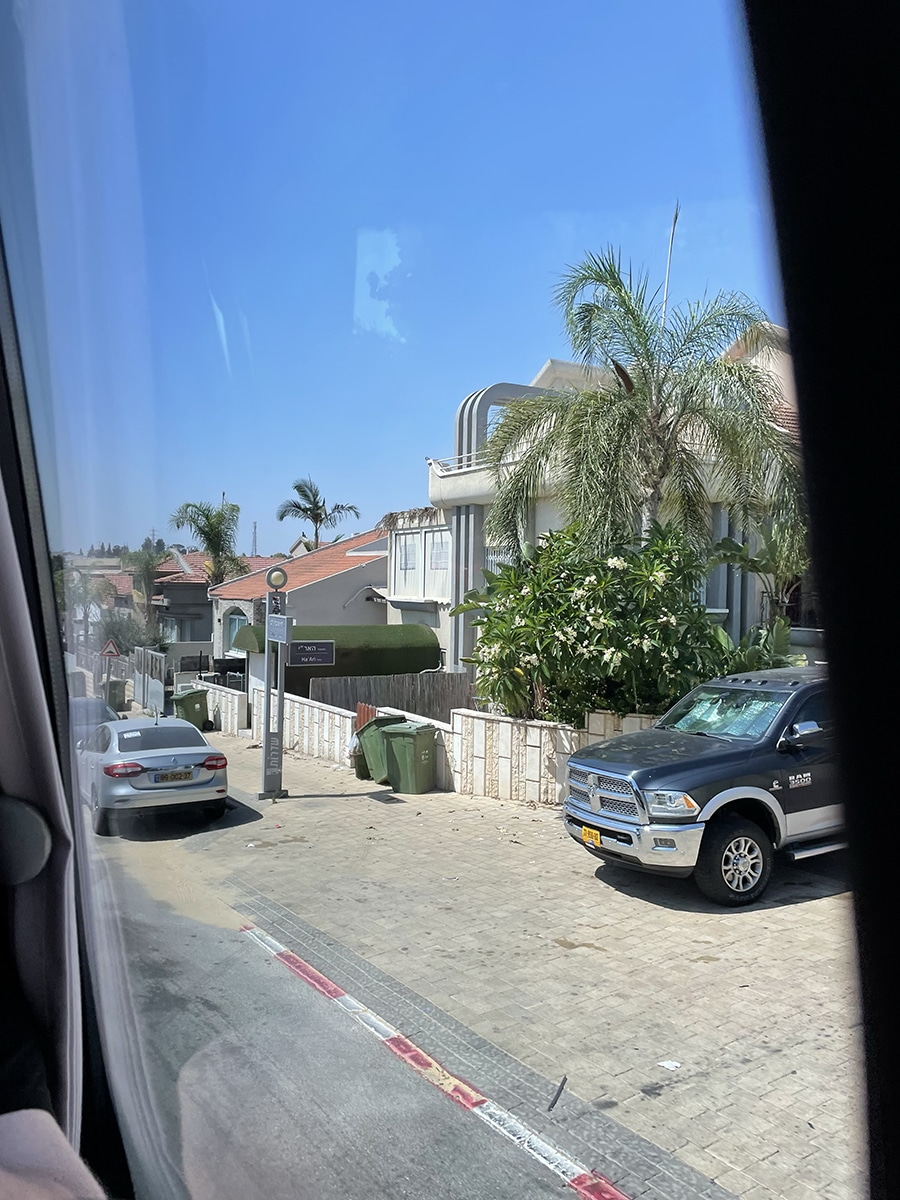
(253, 546)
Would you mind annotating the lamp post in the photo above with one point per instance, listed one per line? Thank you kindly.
(278, 630)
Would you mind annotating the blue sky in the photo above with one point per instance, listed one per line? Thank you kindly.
(283, 239)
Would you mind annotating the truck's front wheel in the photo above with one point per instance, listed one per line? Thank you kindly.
(735, 861)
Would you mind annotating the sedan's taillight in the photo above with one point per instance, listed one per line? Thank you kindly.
(215, 762)
(122, 770)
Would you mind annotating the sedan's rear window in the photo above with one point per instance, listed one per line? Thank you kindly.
(160, 737)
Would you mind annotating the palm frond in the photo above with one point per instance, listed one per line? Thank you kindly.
(685, 497)
(608, 313)
(338, 513)
(290, 508)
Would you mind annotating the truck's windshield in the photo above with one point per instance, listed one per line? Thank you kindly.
(726, 712)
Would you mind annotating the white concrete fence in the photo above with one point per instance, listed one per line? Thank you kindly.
(479, 754)
(227, 708)
(309, 727)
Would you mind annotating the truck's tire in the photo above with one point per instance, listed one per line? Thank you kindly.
(735, 861)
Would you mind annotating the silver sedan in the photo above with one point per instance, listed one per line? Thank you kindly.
(142, 763)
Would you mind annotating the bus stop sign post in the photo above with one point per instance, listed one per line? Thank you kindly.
(278, 630)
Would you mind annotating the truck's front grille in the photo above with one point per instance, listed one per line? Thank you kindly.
(607, 783)
(608, 804)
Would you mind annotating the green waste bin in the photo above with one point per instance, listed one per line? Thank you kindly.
(192, 706)
(114, 690)
(372, 743)
(410, 756)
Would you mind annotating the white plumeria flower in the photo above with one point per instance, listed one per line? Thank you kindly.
(616, 562)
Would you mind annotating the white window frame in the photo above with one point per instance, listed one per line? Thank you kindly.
(229, 636)
(437, 578)
(408, 570)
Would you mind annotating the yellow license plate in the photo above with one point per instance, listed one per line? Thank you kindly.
(174, 776)
(590, 835)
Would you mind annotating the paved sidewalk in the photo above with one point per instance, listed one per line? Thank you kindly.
(491, 914)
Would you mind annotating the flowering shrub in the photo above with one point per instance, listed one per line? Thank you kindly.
(560, 636)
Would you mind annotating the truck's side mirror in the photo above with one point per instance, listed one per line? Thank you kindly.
(801, 735)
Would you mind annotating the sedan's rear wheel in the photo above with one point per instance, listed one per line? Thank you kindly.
(216, 810)
(99, 816)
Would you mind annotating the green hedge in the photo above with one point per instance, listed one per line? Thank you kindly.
(358, 650)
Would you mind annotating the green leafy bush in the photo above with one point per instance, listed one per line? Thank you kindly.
(562, 635)
(762, 648)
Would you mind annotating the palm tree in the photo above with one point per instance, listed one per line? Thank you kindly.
(86, 592)
(215, 527)
(674, 421)
(310, 506)
(143, 566)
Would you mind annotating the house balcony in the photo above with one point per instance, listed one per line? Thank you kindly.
(466, 479)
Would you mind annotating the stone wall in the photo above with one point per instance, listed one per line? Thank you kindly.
(478, 753)
(509, 759)
(227, 708)
(310, 727)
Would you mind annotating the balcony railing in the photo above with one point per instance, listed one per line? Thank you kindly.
(494, 559)
(476, 461)
(462, 462)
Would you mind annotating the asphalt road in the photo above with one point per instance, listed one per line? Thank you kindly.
(247, 1083)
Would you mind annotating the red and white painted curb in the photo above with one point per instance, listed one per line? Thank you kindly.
(587, 1184)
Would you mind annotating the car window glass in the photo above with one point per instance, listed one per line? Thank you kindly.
(726, 712)
(159, 737)
(271, 265)
(815, 708)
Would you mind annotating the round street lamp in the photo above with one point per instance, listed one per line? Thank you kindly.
(276, 577)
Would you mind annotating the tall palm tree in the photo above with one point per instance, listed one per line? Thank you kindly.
(86, 592)
(215, 527)
(143, 566)
(310, 506)
(675, 422)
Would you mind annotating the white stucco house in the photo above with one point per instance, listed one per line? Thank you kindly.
(461, 489)
(418, 588)
(342, 583)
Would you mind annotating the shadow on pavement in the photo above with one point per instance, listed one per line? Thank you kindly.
(149, 826)
(791, 884)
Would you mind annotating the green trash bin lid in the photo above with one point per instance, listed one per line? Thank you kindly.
(402, 727)
(376, 723)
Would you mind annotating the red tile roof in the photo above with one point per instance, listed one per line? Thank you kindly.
(788, 419)
(124, 584)
(308, 568)
(196, 563)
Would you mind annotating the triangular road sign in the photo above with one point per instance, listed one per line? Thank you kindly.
(110, 650)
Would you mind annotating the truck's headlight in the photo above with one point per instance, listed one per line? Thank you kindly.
(671, 804)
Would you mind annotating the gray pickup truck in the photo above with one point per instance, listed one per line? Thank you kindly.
(741, 768)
